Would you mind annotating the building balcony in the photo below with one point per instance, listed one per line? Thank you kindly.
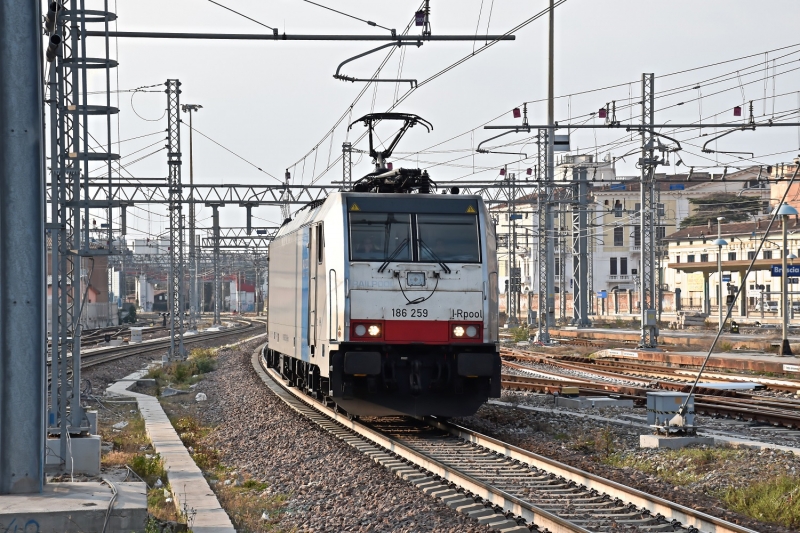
(619, 277)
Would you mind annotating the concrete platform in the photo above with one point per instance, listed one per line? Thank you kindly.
(189, 487)
(672, 443)
(76, 508)
(591, 402)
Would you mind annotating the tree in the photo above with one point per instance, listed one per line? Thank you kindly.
(729, 206)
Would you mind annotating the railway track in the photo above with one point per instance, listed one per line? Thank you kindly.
(634, 382)
(119, 352)
(505, 487)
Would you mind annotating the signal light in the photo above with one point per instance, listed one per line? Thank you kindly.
(517, 113)
(737, 111)
(503, 171)
(602, 113)
(529, 171)
(419, 18)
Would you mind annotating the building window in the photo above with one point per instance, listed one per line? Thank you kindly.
(767, 254)
(618, 236)
(751, 255)
(623, 266)
(731, 256)
(613, 266)
(677, 259)
(661, 233)
(558, 266)
(637, 235)
(618, 209)
(690, 258)
(704, 258)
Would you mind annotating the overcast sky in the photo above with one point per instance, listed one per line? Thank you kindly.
(273, 102)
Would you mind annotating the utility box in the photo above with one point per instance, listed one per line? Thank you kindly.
(136, 335)
(662, 408)
(650, 318)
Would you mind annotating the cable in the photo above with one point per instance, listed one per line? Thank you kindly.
(242, 15)
(346, 15)
(140, 116)
(232, 152)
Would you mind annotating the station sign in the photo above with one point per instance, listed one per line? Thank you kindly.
(515, 217)
(776, 270)
(602, 294)
(726, 278)
(676, 187)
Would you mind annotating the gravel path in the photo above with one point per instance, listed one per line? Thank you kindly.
(331, 486)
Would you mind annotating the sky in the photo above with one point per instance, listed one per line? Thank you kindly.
(273, 103)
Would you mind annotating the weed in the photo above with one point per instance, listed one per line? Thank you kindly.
(159, 507)
(775, 500)
(725, 346)
(247, 504)
(520, 334)
(149, 467)
(152, 525)
(604, 441)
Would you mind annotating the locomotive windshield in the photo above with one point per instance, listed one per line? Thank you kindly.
(380, 237)
(438, 237)
(448, 238)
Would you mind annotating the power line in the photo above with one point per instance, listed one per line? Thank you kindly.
(232, 152)
(242, 15)
(346, 15)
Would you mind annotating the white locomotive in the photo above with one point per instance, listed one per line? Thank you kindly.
(386, 302)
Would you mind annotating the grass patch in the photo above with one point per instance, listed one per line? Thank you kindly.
(200, 361)
(776, 500)
(247, 503)
(191, 433)
(679, 467)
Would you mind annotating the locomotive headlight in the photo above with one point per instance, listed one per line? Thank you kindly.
(374, 330)
(472, 331)
(458, 331)
(361, 330)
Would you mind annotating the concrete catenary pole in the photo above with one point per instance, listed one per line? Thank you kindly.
(22, 296)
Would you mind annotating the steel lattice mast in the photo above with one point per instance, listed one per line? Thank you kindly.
(176, 307)
(544, 190)
(648, 163)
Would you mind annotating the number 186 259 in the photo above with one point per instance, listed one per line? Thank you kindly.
(412, 313)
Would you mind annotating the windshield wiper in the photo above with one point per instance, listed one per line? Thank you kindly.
(435, 257)
(393, 255)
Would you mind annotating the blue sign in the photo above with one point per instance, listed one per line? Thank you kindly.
(794, 270)
(617, 187)
(602, 294)
(515, 217)
(726, 278)
(676, 186)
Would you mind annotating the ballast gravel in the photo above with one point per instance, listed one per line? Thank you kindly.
(330, 486)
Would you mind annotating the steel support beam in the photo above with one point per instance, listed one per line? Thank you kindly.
(22, 257)
(177, 351)
(580, 249)
(217, 289)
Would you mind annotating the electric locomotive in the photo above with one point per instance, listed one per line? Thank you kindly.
(384, 299)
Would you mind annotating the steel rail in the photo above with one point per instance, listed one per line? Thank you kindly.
(542, 518)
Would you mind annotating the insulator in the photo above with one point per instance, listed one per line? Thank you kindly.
(52, 47)
(50, 18)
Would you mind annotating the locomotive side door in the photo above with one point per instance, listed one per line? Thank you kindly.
(319, 288)
(312, 288)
